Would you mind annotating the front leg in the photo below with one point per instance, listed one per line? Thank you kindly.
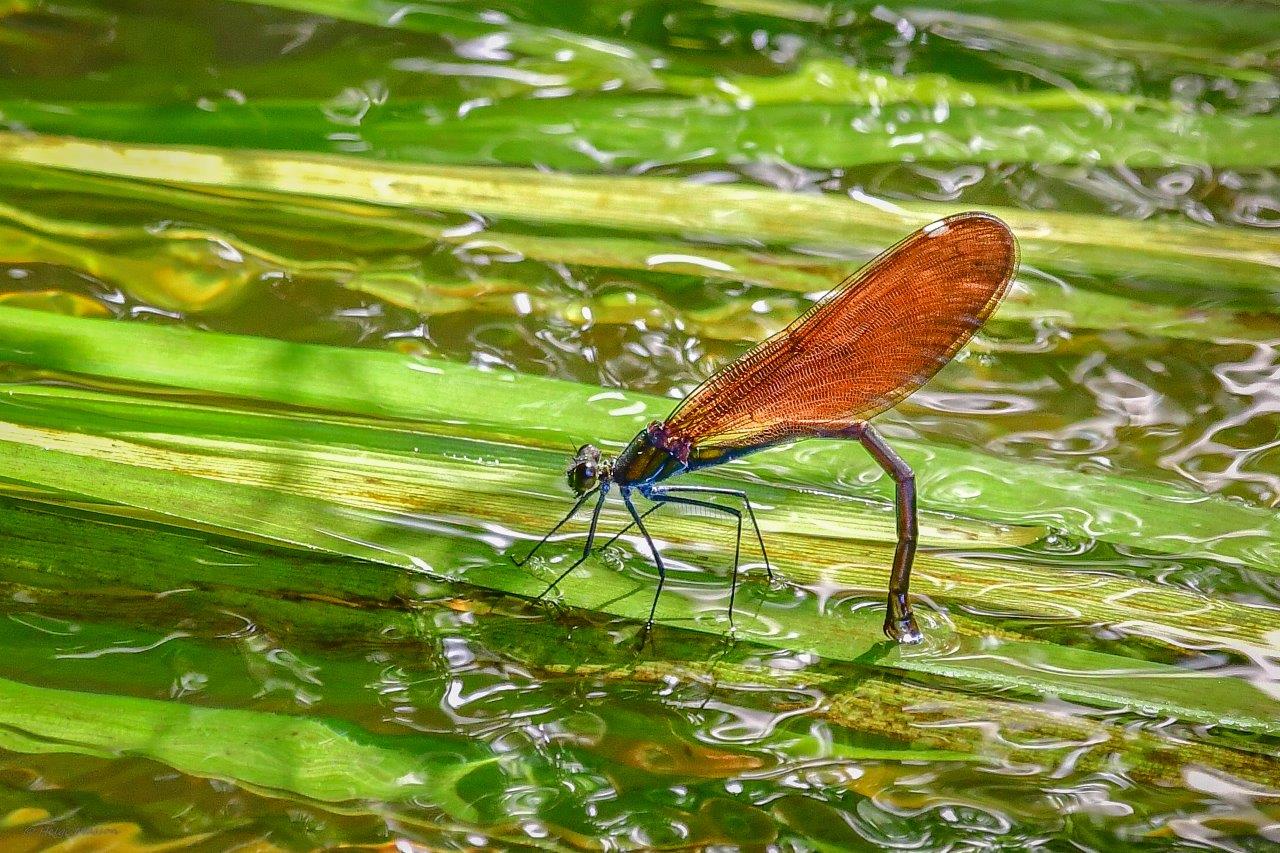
(591, 538)
(577, 505)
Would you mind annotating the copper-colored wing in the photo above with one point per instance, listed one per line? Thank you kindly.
(865, 346)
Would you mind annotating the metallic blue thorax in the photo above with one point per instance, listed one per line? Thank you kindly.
(647, 460)
(655, 454)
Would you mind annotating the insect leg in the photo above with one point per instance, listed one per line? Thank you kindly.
(657, 558)
(662, 495)
(899, 623)
(591, 538)
(630, 524)
(570, 514)
(737, 493)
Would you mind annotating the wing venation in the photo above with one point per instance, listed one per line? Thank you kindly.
(863, 347)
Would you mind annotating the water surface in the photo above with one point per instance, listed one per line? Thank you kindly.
(292, 699)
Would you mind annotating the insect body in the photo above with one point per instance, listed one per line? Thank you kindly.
(857, 352)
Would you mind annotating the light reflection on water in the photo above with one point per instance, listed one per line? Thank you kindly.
(565, 731)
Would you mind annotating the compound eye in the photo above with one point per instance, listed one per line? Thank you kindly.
(581, 477)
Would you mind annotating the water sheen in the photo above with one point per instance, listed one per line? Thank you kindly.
(286, 699)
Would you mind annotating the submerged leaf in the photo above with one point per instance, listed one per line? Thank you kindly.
(1063, 242)
(553, 414)
(307, 756)
(222, 486)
